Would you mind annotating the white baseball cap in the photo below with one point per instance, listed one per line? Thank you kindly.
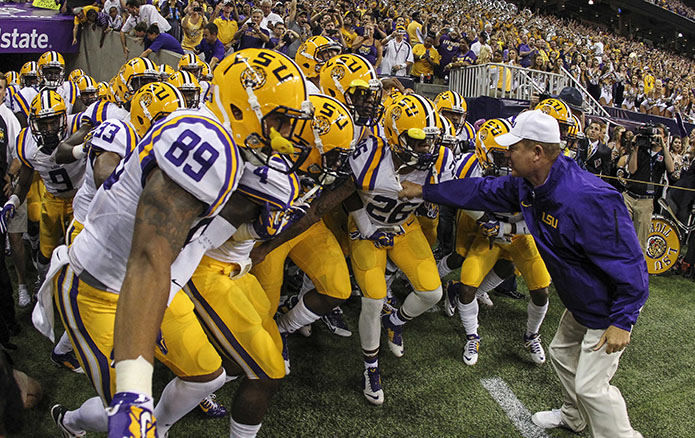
(532, 125)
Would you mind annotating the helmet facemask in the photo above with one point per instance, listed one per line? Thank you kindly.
(136, 82)
(29, 81)
(192, 97)
(418, 148)
(457, 118)
(48, 131)
(364, 103)
(52, 76)
(500, 164)
(193, 69)
(89, 97)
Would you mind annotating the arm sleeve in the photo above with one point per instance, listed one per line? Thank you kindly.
(499, 195)
(610, 242)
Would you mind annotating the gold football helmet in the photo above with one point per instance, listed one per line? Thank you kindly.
(88, 88)
(414, 131)
(51, 69)
(261, 97)
(188, 86)
(153, 102)
(12, 78)
(313, 53)
(448, 133)
(135, 73)
(560, 112)
(331, 134)
(165, 70)
(75, 75)
(205, 74)
(104, 92)
(48, 120)
(29, 75)
(192, 64)
(352, 80)
(453, 106)
(491, 155)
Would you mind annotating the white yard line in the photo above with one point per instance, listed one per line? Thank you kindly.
(515, 410)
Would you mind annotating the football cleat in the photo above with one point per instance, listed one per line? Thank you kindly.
(336, 323)
(24, 298)
(535, 348)
(470, 351)
(451, 298)
(391, 304)
(67, 360)
(484, 298)
(211, 408)
(58, 413)
(394, 334)
(130, 416)
(371, 386)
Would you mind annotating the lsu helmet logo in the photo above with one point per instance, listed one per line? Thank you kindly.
(321, 125)
(338, 72)
(253, 77)
(546, 109)
(396, 113)
(146, 100)
(483, 134)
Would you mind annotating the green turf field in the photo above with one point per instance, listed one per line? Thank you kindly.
(430, 391)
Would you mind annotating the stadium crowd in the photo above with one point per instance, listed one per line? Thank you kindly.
(308, 149)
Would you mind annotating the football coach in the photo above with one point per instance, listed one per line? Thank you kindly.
(585, 236)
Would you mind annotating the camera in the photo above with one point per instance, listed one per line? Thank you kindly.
(198, 9)
(647, 136)
(331, 31)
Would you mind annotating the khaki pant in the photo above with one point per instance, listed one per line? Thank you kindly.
(585, 374)
(641, 213)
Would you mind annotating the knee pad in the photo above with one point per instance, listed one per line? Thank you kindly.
(370, 323)
(417, 302)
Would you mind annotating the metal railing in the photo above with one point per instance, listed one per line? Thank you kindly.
(590, 104)
(504, 81)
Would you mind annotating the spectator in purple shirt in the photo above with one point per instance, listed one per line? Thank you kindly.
(211, 47)
(448, 44)
(155, 41)
(525, 52)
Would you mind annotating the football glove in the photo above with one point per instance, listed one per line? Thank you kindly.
(7, 212)
(491, 228)
(130, 416)
(271, 222)
(428, 210)
(380, 238)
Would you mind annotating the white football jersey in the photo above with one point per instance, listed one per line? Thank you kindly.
(468, 166)
(205, 92)
(378, 184)
(61, 180)
(112, 135)
(22, 100)
(102, 110)
(262, 184)
(193, 150)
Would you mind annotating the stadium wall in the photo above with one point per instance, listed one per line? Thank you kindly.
(103, 63)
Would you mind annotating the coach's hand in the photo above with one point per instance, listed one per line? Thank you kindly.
(615, 338)
(410, 190)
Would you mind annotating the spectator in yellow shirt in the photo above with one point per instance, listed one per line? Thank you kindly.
(225, 17)
(81, 18)
(415, 29)
(648, 80)
(426, 59)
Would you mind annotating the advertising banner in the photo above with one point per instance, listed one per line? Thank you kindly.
(24, 29)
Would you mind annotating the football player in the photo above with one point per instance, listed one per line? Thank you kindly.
(317, 251)
(88, 90)
(190, 166)
(87, 290)
(29, 79)
(312, 55)
(12, 78)
(452, 105)
(188, 86)
(502, 236)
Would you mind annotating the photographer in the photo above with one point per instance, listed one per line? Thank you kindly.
(331, 32)
(282, 38)
(398, 55)
(250, 35)
(649, 158)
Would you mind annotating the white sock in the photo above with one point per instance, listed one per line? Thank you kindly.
(307, 285)
(491, 281)
(297, 317)
(469, 316)
(64, 345)
(417, 302)
(238, 430)
(371, 362)
(536, 314)
(90, 417)
(369, 324)
(180, 397)
(443, 268)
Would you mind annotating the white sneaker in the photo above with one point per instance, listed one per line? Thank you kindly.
(483, 298)
(548, 419)
(24, 298)
(535, 348)
(470, 351)
(371, 386)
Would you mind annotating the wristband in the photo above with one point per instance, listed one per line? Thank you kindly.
(78, 152)
(14, 200)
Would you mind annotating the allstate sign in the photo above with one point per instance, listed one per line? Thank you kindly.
(24, 28)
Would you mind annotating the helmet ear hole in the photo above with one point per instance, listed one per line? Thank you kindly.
(236, 112)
